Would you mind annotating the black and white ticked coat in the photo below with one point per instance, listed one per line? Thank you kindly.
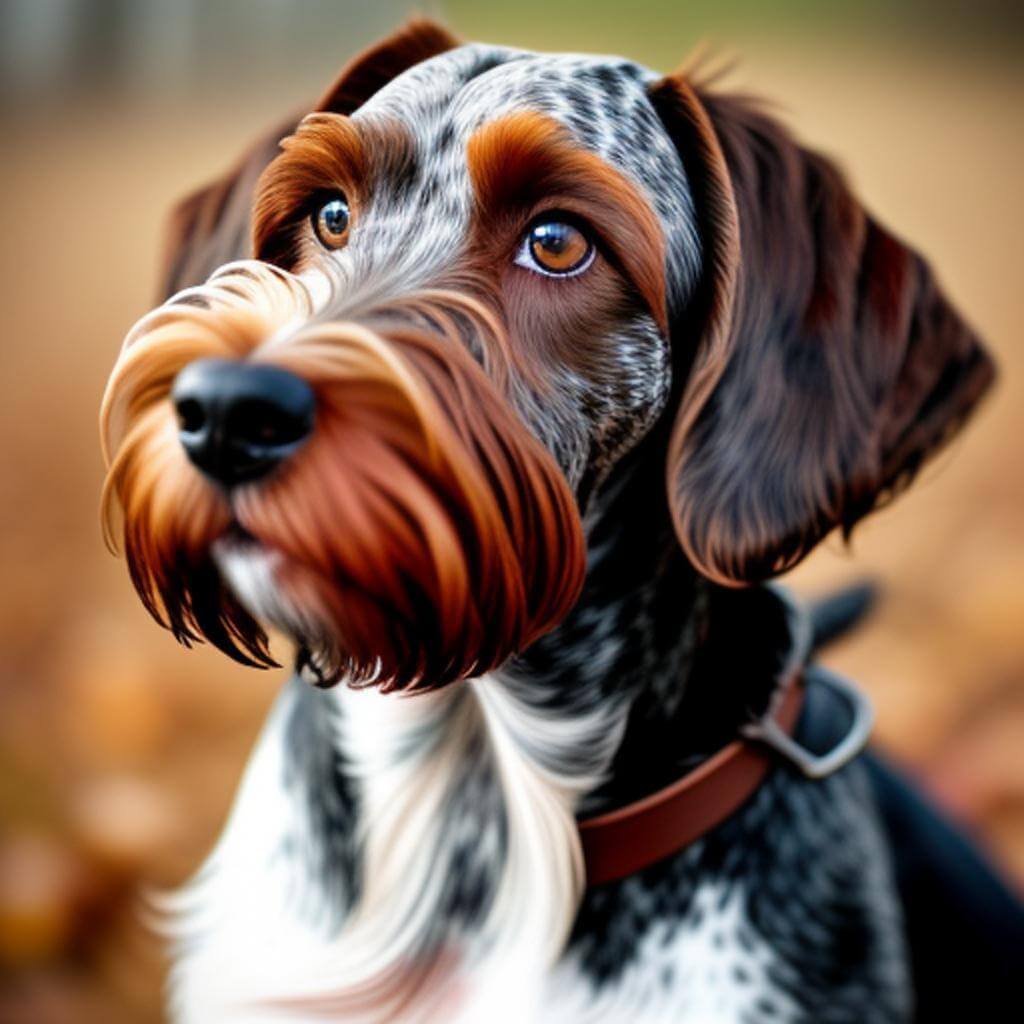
(785, 912)
(374, 831)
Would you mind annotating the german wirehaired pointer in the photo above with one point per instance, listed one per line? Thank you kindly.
(501, 387)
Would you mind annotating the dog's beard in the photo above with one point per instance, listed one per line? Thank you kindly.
(421, 535)
(250, 572)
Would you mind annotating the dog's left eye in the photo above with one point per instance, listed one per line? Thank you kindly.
(331, 221)
(556, 248)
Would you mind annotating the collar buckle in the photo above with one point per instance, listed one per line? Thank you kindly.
(861, 715)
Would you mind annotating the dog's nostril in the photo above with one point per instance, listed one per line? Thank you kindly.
(240, 420)
(261, 423)
(191, 417)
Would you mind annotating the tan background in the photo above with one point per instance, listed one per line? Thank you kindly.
(118, 751)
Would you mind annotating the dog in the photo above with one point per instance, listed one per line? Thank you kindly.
(503, 387)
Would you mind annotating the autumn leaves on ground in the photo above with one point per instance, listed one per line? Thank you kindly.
(119, 752)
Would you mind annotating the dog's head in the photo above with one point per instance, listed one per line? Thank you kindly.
(480, 278)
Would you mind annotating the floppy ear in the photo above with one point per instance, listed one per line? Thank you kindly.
(368, 72)
(829, 365)
(211, 226)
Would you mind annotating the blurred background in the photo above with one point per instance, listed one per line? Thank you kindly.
(119, 752)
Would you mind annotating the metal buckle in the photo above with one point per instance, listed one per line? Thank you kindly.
(817, 766)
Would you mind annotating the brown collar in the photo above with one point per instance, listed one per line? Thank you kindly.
(630, 838)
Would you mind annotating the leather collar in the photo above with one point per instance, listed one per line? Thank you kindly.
(620, 842)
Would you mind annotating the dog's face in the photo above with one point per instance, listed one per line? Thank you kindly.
(481, 277)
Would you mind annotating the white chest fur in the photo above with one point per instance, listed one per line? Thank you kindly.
(253, 926)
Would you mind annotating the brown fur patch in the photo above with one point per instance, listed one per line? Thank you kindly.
(526, 159)
(830, 365)
(210, 226)
(424, 529)
(325, 155)
(368, 72)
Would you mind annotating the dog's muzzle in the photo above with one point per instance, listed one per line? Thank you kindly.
(412, 529)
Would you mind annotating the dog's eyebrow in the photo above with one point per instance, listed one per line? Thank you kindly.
(521, 160)
(326, 152)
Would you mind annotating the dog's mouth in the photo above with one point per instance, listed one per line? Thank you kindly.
(421, 535)
(249, 568)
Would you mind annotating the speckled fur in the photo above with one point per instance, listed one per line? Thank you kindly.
(785, 912)
(416, 231)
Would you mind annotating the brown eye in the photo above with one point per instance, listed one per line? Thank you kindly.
(330, 222)
(558, 247)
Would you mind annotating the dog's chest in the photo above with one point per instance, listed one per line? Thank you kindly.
(708, 965)
(263, 916)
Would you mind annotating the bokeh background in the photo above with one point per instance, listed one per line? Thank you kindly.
(118, 751)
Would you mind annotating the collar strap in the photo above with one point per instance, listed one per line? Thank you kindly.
(630, 838)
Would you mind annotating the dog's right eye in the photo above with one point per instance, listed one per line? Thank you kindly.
(555, 248)
(331, 221)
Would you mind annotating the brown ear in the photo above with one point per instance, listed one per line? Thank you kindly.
(368, 72)
(829, 364)
(211, 226)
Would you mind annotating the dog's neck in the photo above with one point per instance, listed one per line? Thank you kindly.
(688, 659)
(652, 671)
(439, 830)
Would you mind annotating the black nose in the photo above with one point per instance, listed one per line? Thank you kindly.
(240, 420)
